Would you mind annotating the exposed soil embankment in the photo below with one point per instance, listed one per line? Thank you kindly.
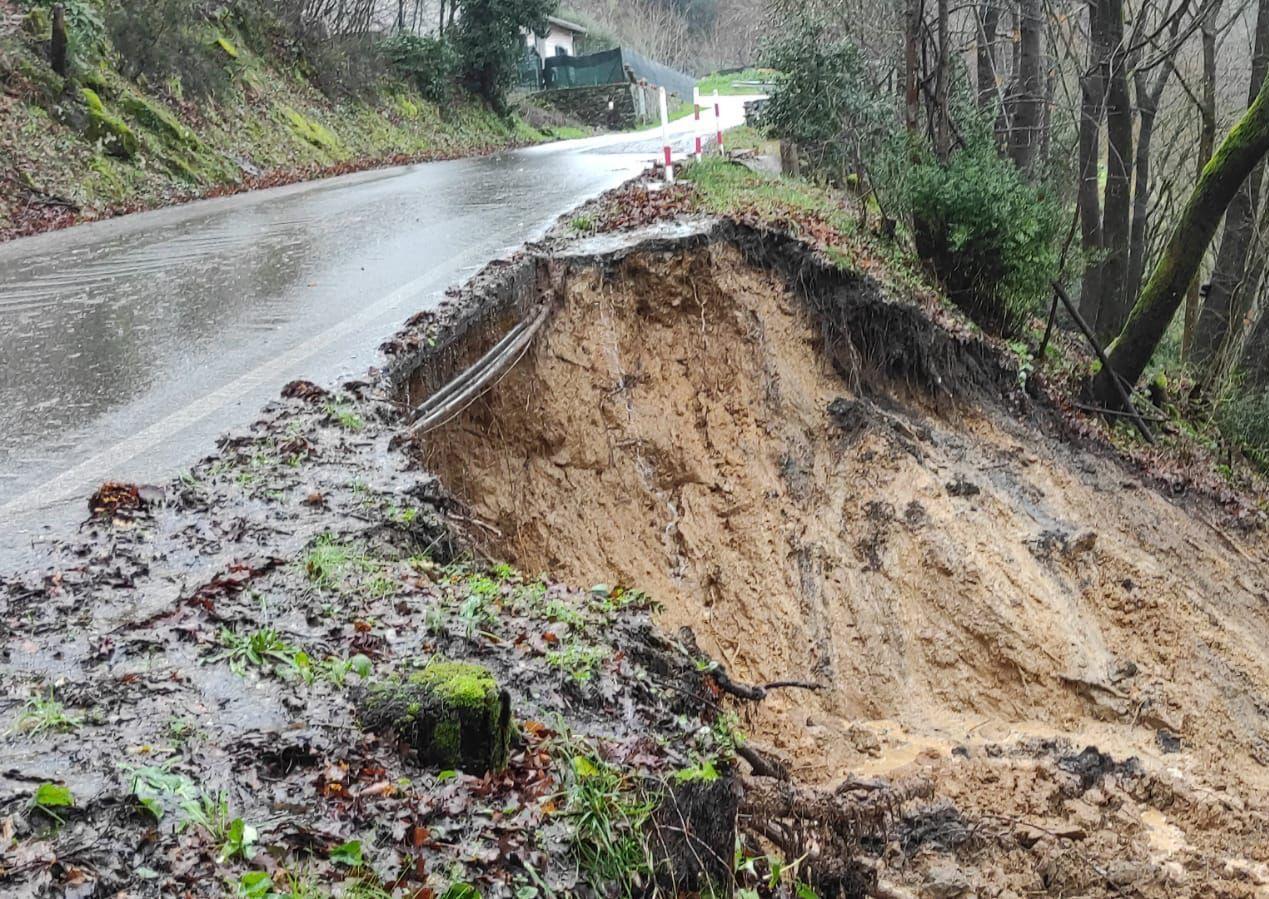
(826, 488)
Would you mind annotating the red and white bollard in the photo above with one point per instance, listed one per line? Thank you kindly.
(718, 120)
(696, 104)
(665, 137)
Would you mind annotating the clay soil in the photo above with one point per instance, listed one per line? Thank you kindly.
(1076, 660)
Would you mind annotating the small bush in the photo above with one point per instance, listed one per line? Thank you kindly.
(1242, 414)
(823, 99)
(488, 40)
(158, 40)
(84, 28)
(431, 64)
(341, 66)
(989, 234)
(338, 57)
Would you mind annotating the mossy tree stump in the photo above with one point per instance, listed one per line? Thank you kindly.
(452, 715)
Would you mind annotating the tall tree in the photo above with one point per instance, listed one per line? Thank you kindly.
(1114, 302)
(1149, 93)
(1024, 130)
(1092, 110)
(1207, 143)
(987, 83)
(1239, 154)
(1224, 306)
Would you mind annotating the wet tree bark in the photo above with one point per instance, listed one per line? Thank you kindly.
(942, 84)
(911, 66)
(1092, 104)
(1024, 130)
(1207, 142)
(1239, 154)
(985, 54)
(1148, 97)
(1116, 222)
(1218, 320)
(57, 47)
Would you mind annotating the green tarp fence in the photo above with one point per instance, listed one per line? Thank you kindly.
(583, 71)
(609, 67)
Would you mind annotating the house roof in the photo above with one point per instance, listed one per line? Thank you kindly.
(566, 24)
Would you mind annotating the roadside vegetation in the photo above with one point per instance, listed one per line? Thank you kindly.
(736, 83)
(115, 107)
(977, 188)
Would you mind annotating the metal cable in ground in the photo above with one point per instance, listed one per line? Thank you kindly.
(476, 379)
(440, 396)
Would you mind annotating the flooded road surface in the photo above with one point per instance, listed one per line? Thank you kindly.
(127, 346)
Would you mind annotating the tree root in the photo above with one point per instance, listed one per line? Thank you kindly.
(825, 827)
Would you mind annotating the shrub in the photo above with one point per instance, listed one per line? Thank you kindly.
(823, 99)
(84, 28)
(347, 65)
(158, 40)
(489, 44)
(430, 63)
(989, 234)
(1242, 415)
(336, 55)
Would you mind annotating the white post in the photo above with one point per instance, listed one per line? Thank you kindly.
(718, 120)
(665, 137)
(696, 112)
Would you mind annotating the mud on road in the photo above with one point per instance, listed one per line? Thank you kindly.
(1019, 669)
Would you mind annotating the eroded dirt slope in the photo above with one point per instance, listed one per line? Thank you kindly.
(973, 597)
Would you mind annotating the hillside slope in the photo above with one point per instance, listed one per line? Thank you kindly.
(98, 143)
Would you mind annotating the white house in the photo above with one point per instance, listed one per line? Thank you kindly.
(559, 40)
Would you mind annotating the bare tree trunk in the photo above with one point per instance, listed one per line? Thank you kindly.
(1092, 106)
(942, 84)
(1148, 97)
(1207, 141)
(1115, 301)
(912, 66)
(1239, 154)
(1147, 107)
(1024, 130)
(985, 54)
(57, 47)
(1222, 310)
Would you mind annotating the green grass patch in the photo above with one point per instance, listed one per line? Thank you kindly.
(609, 810)
(44, 714)
(568, 132)
(728, 85)
(730, 189)
(344, 415)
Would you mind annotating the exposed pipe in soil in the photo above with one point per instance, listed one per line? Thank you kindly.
(461, 379)
(455, 396)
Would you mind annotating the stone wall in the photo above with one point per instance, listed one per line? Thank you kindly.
(589, 105)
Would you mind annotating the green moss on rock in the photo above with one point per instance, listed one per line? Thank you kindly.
(312, 132)
(452, 715)
(106, 128)
(159, 121)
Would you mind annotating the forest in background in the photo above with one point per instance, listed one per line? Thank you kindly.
(1106, 153)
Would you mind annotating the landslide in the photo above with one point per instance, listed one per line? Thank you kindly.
(823, 489)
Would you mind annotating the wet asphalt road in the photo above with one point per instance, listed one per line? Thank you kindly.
(128, 346)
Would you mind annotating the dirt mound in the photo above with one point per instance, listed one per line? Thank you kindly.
(973, 597)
